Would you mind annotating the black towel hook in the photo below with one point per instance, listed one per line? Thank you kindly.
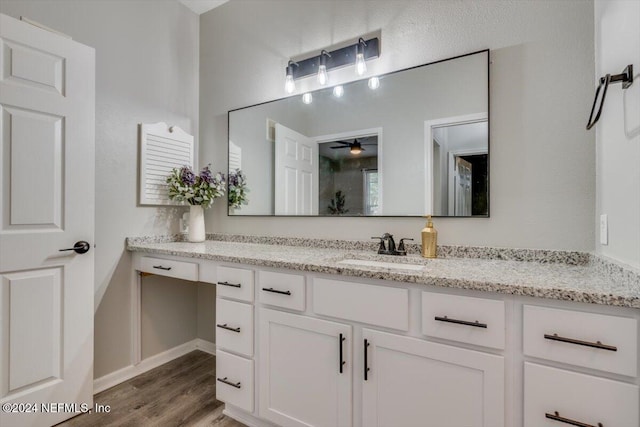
(626, 78)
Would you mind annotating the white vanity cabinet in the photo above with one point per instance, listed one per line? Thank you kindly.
(305, 370)
(307, 349)
(412, 382)
(604, 344)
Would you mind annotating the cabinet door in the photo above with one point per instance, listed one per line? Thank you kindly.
(300, 363)
(416, 383)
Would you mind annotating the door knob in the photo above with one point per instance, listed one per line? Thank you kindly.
(80, 247)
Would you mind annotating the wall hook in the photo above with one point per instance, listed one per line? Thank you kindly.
(626, 78)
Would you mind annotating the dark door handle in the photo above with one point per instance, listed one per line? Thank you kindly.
(159, 267)
(342, 362)
(366, 360)
(80, 247)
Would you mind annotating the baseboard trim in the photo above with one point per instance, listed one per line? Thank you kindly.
(114, 378)
(245, 418)
(206, 346)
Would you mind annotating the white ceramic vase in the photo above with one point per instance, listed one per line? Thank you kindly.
(196, 224)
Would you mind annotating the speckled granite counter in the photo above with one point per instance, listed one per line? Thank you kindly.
(571, 276)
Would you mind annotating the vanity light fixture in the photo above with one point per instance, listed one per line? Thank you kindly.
(322, 69)
(307, 98)
(361, 66)
(374, 83)
(289, 83)
(338, 91)
(355, 54)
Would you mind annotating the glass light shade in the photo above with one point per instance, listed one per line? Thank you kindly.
(356, 150)
(374, 83)
(289, 84)
(323, 78)
(361, 66)
(338, 91)
(307, 98)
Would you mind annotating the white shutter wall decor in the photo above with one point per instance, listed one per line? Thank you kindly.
(162, 148)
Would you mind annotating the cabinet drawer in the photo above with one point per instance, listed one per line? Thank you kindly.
(231, 282)
(375, 305)
(234, 380)
(471, 320)
(596, 341)
(577, 397)
(234, 326)
(282, 290)
(170, 268)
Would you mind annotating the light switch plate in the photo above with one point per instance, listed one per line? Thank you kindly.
(604, 230)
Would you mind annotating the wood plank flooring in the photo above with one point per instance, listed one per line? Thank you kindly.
(179, 393)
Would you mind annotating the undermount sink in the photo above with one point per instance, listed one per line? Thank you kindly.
(383, 264)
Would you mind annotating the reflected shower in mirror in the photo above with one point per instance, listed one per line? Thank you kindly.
(417, 143)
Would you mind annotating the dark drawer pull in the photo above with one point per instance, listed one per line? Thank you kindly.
(233, 285)
(475, 324)
(596, 344)
(224, 380)
(366, 360)
(275, 291)
(341, 339)
(556, 417)
(159, 267)
(229, 328)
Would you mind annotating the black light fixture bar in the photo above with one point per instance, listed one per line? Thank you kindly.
(339, 58)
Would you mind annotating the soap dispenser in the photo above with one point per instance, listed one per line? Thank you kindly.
(429, 239)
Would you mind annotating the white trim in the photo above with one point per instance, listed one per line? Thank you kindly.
(245, 418)
(429, 125)
(206, 346)
(136, 321)
(128, 372)
(358, 134)
(451, 166)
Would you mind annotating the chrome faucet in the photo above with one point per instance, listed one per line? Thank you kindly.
(388, 245)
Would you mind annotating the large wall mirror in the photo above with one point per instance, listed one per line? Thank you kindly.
(414, 142)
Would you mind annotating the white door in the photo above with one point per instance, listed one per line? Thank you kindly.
(47, 98)
(415, 383)
(296, 173)
(461, 187)
(302, 379)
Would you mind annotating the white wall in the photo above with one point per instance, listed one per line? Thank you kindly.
(617, 39)
(146, 71)
(542, 158)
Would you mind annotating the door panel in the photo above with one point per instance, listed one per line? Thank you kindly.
(300, 379)
(47, 102)
(296, 173)
(416, 383)
(34, 140)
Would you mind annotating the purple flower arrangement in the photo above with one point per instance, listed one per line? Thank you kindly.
(186, 186)
(237, 189)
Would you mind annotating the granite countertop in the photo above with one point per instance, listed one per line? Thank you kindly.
(570, 276)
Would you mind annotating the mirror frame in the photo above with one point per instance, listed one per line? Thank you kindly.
(488, 215)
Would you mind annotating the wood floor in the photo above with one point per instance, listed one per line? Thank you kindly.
(179, 393)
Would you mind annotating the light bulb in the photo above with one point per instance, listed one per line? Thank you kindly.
(289, 84)
(374, 83)
(338, 91)
(307, 98)
(361, 66)
(322, 75)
